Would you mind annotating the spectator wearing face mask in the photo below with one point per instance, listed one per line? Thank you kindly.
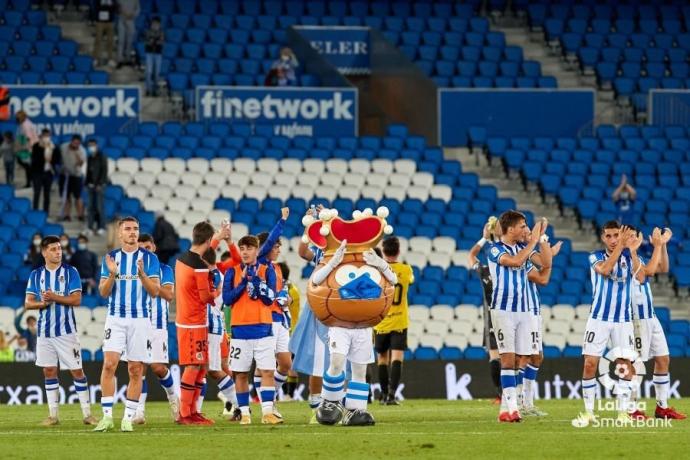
(624, 198)
(154, 40)
(30, 332)
(96, 181)
(45, 157)
(284, 68)
(73, 165)
(33, 256)
(86, 263)
(67, 249)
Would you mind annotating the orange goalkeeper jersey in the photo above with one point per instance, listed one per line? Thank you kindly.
(193, 290)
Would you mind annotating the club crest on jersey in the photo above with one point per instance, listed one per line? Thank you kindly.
(494, 251)
(624, 264)
(199, 356)
(61, 278)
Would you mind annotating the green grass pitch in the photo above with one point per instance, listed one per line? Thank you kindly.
(416, 429)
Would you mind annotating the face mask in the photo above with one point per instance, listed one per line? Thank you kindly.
(81, 246)
(37, 242)
(92, 149)
(64, 243)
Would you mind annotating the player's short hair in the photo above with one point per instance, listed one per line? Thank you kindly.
(76, 137)
(31, 318)
(263, 236)
(391, 246)
(610, 225)
(285, 270)
(48, 240)
(510, 219)
(127, 219)
(209, 256)
(201, 233)
(248, 240)
(45, 131)
(146, 238)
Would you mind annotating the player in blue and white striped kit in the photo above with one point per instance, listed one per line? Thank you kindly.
(509, 309)
(612, 271)
(650, 340)
(159, 311)
(130, 276)
(54, 290)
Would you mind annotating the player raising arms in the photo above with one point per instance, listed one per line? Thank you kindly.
(159, 311)
(650, 339)
(194, 292)
(130, 276)
(54, 290)
(612, 271)
(509, 309)
(250, 291)
(391, 334)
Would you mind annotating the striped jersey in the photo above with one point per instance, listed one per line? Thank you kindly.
(532, 292)
(611, 295)
(216, 317)
(129, 299)
(160, 307)
(55, 320)
(510, 283)
(642, 300)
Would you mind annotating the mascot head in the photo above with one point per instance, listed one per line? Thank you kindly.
(355, 295)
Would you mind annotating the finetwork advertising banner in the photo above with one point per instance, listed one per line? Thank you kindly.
(78, 109)
(346, 48)
(310, 112)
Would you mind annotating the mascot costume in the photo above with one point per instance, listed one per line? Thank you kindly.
(350, 291)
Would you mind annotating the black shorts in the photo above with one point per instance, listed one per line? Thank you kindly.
(394, 340)
(489, 336)
(74, 186)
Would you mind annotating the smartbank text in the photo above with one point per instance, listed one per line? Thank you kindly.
(270, 107)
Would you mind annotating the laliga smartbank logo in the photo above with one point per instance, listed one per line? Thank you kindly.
(625, 384)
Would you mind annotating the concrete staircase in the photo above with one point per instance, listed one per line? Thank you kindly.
(76, 27)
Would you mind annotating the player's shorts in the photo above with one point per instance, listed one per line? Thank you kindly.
(244, 351)
(536, 338)
(650, 340)
(355, 344)
(215, 357)
(489, 341)
(159, 346)
(393, 340)
(282, 335)
(513, 331)
(308, 344)
(598, 333)
(128, 336)
(192, 345)
(63, 351)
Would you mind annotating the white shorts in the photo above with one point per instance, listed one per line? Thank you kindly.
(598, 333)
(131, 336)
(513, 332)
(214, 354)
(243, 352)
(63, 351)
(159, 346)
(650, 340)
(282, 335)
(356, 344)
(536, 334)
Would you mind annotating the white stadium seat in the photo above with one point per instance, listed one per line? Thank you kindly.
(420, 244)
(563, 312)
(268, 165)
(416, 259)
(442, 260)
(582, 311)
(144, 179)
(467, 312)
(198, 165)
(456, 340)
(418, 313)
(442, 313)
(382, 167)
(282, 192)
(175, 165)
(291, 166)
(554, 340)
(215, 179)
(180, 205)
(376, 180)
(360, 166)
(236, 179)
(332, 179)
(395, 193)
(221, 165)
(82, 316)
(93, 328)
(112, 165)
(233, 192)
(193, 179)
(372, 192)
(575, 339)
(412, 342)
(202, 206)
(418, 192)
(353, 180)
(262, 179)
(128, 165)
(187, 192)
(327, 192)
(559, 327)
(194, 217)
(444, 244)
(441, 192)
(314, 166)
(240, 230)
(335, 165)
(245, 165)
(287, 179)
(476, 339)
(122, 179)
(407, 167)
(154, 204)
(309, 180)
(7, 315)
(399, 180)
(423, 179)
(216, 216)
(162, 192)
(349, 193)
(138, 191)
(461, 327)
(431, 340)
(304, 192)
(460, 258)
(436, 327)
(151, 165)
(170, 179)
(100, 313)
(91, 342)
(257, 192)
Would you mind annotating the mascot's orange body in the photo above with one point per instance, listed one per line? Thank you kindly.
(356, 311)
